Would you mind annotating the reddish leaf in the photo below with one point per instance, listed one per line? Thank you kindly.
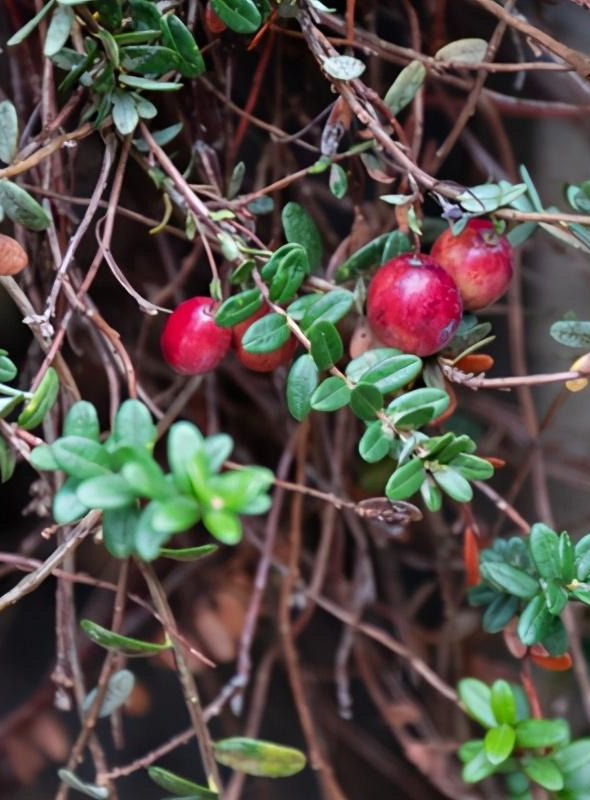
(471, 556)
(475, 362)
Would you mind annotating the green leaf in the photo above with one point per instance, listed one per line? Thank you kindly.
(20, 207)
(476, 698)
(89, 789)
(343, 68)
(301, 383)
(134, 425)
(30, 26)
(188, 553)
(289, 274)
(236, 180)
(161, 137)
(259, 758)
(338, 181)
(105, 492)
(7, 461)
(192, 64)
(284, 253)
(499, 613)
(555, 637)
(565, 555)
(145, 15)
(58, 31)
(544, 771)
(185, 446)
(238, 308)
(147, 540)
(300, 228)
(42, 458)
(572, 333)
(326, 344)
(136, 82)
(534, 621)
(142, 473)
(240, 16)
(489, 197)
(362, 260)
(431, 495)
(472, 467)
(375, 442)
(236, 489)
(41, 402)
(330, 307)
(217, 449)
(118, 530)
(171, 782)
(266, 334)
(8, 370)
(124, 644)
(224, 525)
(499, 743)
(453, 484)
(80, 457)
(555, 597)
(386, 368)
(503, 702)
(331, 394)
(175, 515)
(406, 480)
(9, 404)
(366, 401)
(396, 244)
(82, 420)
(573, 757)
(125, 114)
(404, 88)
(119, 687)
(149, 59)
(66, 506)
(509, 579)
(417, 407)
(544, 545)
(8, 132)
(468, 51)
(478, 768)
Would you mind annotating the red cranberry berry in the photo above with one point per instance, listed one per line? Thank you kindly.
(192, 342)
(414, 305)
(479, 259)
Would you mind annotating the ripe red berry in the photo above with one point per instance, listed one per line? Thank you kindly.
(261, 362)
(413, 304)
(212, 21)
(192, 342)
(479, 259)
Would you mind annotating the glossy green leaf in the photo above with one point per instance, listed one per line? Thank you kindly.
(191, 61)
(478, 768)
(149, 59)
(241, 16)
(30, 26)
(385, 367)
(82, 420)
(470, 749)
(58, 31)
(574, 756)
(287, 252)
(266, 334)
(106, 492)
(125, 114)
(555, 639)
(509, 579)
(572, 333)
(331, 394)
(188, 553)
(80, 457)
(476, 698)
(544, 545)
(503, 702)
(534, 621)
(134, 425)
(338, 181)
(403, 90)
(41, 402)
(301, 384)
(149, 85)
(555, 596)
(223, 525)
(184, 447)
(118, 530)
(119, 687)
(544, 771)
(330, 307)
(161, 137)
(238, 488)
(362, 260)
(145, 15)
(259, 758)
(326, 344)
(418, 406)
(431, 495)
(454, 484)
(171, 782)
(300, 228)
(396, 244)
(499, 613)
(7, 460)
(8, 370)
(290, 273)
(116, 641)
(89, 789)
(66, 506)
(375, 442)
(472, 467)
(9, 404)
(175, 515)
(217, 448)
(20, 207)
(499, 743)
(42, 458)
(468, 51)
(8, 132)
(406, 480)
(238, 308)
(366, 401)
(565, 556)
(343, 68)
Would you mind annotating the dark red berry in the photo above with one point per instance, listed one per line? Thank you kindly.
(261, 362)
(192, 342)
(480, 261)
(414, 305)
